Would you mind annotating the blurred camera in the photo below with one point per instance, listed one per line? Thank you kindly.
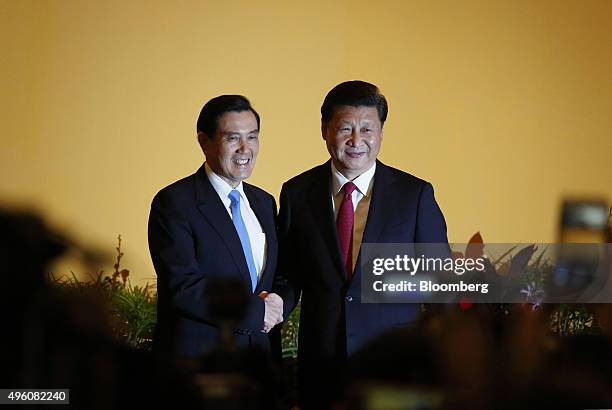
(579, 268)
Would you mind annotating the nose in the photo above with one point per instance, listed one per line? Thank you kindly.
(243, 146)
(355, 139)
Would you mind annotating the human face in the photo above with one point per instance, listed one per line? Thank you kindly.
(353, 137)
(233, 151)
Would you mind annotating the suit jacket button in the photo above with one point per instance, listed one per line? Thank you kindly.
(349, 298)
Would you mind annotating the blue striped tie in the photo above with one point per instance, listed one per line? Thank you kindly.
(234, 196)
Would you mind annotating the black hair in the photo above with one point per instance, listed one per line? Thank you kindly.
(208, 121)
(354, 94)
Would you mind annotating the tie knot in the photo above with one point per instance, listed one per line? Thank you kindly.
(348, 188)
(234, 196)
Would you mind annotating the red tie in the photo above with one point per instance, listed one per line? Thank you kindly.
(344, 226)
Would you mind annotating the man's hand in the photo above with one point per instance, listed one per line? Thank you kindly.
(273, 310)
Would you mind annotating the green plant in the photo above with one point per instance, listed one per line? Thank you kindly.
(569, 320)
(134, 314)
(289, 333)
(132, 309)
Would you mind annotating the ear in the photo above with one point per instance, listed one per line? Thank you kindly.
(204, 141)
(323, 129)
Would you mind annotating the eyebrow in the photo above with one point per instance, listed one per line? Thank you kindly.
(237, 132)
(345, 122)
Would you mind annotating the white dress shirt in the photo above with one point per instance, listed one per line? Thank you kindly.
(361, 202)
(256, 235)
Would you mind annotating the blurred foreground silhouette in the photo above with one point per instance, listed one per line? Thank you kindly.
(475, 359)
(55, 339)
(63, 337)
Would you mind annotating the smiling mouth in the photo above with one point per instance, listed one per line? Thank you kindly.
(355, 154)
(242, 162)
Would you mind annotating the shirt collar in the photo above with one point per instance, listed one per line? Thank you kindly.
(223, 188)
(362, 181)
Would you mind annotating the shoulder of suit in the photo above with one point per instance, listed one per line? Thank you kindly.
(401, 176)
(307, 177)
(259, 192)
(180, 189)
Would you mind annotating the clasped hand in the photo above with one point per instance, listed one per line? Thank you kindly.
(273, 310)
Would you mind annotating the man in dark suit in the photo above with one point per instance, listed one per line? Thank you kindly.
(212, 226)
(326, 213)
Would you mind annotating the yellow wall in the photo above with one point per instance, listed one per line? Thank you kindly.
(504, 106)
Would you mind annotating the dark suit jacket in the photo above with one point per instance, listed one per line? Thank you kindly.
(192, 239)
(334, 323)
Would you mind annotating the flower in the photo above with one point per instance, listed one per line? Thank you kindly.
(533, 295)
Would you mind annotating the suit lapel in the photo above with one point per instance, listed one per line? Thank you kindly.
(320, 202)
(382, 199)
(212, 209)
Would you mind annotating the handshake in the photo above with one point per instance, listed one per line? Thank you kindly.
(273, 310)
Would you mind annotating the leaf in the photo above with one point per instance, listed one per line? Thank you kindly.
(489, 267)
(475, 247)
(456, 255)
(521, 259)
(498, 260)
(537, 262)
